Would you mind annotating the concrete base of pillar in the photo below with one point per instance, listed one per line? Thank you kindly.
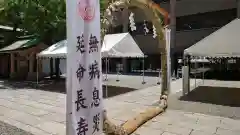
(185, 80)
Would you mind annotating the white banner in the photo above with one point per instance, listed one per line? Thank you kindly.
(84, 73)
(168, 48)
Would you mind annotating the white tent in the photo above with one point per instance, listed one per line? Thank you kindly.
(120, 45)
(58, 50)
(222, 43)
(114, 45)
(204, 60)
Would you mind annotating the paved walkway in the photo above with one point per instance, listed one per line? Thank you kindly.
(174, 122)
(130, 81)
(43, 113)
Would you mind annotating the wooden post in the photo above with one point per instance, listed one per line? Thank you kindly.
(12, 63)
(31, 63)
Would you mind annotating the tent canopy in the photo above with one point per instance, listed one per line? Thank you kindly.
(120, 45)
(114, 45)
(224, 42)
(58, 50)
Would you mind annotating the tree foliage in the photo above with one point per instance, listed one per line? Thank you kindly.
(45, 18)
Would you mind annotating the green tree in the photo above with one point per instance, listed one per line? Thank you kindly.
(45, 18)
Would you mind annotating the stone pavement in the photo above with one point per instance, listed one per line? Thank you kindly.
(130, 81)
(43, 113)
(174, 122)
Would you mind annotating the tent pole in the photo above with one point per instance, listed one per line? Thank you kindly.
(108, 60)
(118, 68)
(159, 78)
(203, 72)
(117, 76)
(143, 79)
(106, 68)
(173, 75)
(177, 74)
(106, 93)
(195, 75)
(37, 71)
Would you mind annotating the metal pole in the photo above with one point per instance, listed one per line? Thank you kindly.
(177, 74)
(118, 68)
(106, 86)
(108, 61)
(143, 81)
(159, 77)
(106, 79)
(203, 72)
(117, 76)
(37, 71)
(195, 72)
(106, 68)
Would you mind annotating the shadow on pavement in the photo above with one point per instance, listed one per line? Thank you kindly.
(1, 87)
(25, 84)
(112, 91)
(216, 101)
(214, 95)
(60, 87)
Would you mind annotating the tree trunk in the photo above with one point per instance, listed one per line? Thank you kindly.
(131, 125)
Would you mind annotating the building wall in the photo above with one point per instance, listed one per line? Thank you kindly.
(190, 29)
(184, 39)
(190, 7)
(201, 16)
(4, 65)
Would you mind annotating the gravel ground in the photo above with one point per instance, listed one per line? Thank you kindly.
(6, 129)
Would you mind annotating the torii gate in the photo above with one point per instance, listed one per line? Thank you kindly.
(153, 11)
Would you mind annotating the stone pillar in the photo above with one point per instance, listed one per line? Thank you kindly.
(238, 9)
(185, 75)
